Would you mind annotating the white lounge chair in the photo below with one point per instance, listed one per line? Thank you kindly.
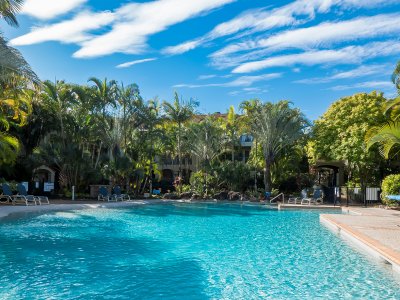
(317, 198)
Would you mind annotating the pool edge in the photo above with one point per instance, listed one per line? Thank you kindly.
(373, 247)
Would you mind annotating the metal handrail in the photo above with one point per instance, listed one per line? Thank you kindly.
(277, 196)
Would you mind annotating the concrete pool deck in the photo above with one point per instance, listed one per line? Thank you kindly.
(373, 230)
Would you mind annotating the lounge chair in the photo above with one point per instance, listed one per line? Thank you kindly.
(7, 195)
(317, 198)
(15, 199)
(105, 196)
(22, 192)
(297, 200)
(118, 194)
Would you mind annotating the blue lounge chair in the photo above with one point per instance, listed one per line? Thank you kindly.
(394, 197)
(118, 194)
(105, 196)
(15, 199)
(22, 192)
(7, 195)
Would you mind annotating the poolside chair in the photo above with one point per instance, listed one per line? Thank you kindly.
(118, 194)
(22, 192)
(15, 199)
(7, 195)
(317, 198)
(298, 200)
(105, 196)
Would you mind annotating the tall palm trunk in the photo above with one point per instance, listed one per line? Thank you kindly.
(179, 157)
(267, 176)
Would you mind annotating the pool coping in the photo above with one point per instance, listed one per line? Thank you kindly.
(370, 245)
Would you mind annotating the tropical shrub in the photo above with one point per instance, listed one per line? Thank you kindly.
(234, 176)
(390, 186)
(203, 183)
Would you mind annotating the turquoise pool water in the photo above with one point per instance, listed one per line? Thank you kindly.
(185, 251)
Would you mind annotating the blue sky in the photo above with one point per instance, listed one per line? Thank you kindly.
(220, 52)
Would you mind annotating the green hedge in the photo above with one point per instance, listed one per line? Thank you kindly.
(390, 186)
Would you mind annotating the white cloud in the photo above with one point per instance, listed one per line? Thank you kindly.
(321, 35)
(182, 48)
(368, 84)
(135, 62)
(205, 77)
(261, 20)
(71, 31)
(137, 21)
(132, 24)
(48, 9)
(361, 71)
(347, 55)
(243, 81)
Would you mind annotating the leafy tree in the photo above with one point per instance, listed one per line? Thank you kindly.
(276, 126)
(339, 134)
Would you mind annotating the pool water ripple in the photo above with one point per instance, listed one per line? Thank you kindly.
(184, 251)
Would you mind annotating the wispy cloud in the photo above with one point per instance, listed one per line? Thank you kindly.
(48, 9)
(361, 71)
(137, 21)
(135, 62)
(131, 24)
(321, 35)
(71, 31)
(347, 55)
(243, 81)
(260, 20)
(205, 77)
(368, 84)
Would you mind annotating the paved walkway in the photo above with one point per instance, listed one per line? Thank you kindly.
(375, 228)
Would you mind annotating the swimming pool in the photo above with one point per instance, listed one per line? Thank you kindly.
(184, 251)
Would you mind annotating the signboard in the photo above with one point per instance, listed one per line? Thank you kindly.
(48, 186)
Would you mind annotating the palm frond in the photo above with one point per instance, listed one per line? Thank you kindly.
(12, 64)
(9, 9)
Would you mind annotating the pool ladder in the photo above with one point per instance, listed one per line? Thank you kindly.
(281, 195)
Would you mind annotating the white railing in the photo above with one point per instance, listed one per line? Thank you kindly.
(277, 196)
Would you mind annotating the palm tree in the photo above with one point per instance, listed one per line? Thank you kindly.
(178, 113)
(232, 127)
(149, 122)
(9, 9)
(105, 93)
(276, 126)
(206, 143)
(387, 136)
(15, 76)
(396, 76)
